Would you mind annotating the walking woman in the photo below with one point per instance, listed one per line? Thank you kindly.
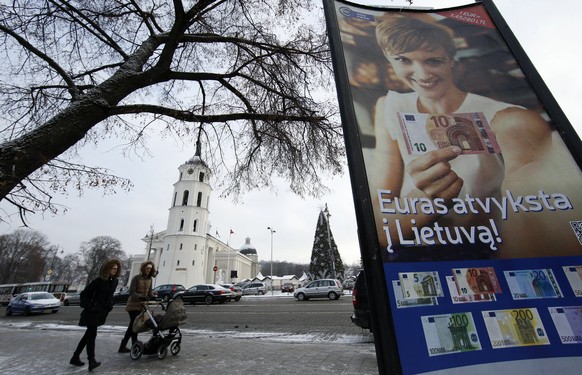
(97, 302)
(140, 289)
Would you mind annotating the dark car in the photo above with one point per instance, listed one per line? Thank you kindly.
(121, 297)
(361, 316)
(287, 288)
(206, 293)
(166, 292)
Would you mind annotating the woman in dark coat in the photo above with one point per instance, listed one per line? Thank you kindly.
(97, 302)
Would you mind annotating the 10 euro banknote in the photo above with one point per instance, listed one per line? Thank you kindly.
(424, 132)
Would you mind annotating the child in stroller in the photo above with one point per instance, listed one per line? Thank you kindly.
(165, 330)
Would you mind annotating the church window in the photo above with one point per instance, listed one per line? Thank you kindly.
(181, 225)
(175, 197)
(195, 225)
(185, 198)
(193, 262)
(181, 246)
(195, 246)
(201, 177)
(164, 264)
(199, 200)
(178, 263)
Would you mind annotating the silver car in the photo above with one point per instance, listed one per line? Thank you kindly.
(323, 288)
(254, 288)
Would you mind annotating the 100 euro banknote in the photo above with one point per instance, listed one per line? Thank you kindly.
(568, 322)
(473, 281)
(420, 284)
(450, 333)
(515, 327)
(424, 132)
(535, 283)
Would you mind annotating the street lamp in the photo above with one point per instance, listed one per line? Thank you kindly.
(151, 237)
(331, 256)
(272, 231)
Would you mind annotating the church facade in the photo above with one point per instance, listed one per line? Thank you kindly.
(186, 253)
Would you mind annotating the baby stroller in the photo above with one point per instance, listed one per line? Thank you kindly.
(165, 331)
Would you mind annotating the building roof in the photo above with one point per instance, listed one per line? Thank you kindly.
(247, 248)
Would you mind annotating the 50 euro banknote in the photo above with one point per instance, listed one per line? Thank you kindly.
(424, 132)
(450, 333)
(515, 327)
(574, 276)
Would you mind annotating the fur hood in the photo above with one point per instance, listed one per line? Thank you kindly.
(145, 264)
(104, 273)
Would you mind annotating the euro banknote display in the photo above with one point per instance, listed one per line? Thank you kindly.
(473, 281)
(450, 333)
(536, 283)
(424, 132)
(515, 327)
(420, 284)
(574, 275)
(568, 322)
(469, 298)
(401, 302)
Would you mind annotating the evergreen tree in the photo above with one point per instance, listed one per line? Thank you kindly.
(321, 261)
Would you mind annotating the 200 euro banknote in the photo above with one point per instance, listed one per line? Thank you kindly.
(424, 132)
(515, 327)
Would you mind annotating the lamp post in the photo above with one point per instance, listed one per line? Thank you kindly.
(331, 256)
(151, 236)
(272, 231)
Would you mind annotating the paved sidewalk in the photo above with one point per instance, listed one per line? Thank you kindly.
(46, 349)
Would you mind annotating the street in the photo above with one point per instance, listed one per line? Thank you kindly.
(257, 334)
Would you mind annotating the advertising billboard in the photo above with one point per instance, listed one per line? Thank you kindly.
(468, 188)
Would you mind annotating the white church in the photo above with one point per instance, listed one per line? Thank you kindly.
(186, 253)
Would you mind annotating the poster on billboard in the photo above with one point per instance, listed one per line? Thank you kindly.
(474, 192)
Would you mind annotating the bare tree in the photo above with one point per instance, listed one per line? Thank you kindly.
(236, 76)
(97, 251)
(22, 256)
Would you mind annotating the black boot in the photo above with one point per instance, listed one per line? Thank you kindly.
(75, 360)
(123, 346)
(93, 364)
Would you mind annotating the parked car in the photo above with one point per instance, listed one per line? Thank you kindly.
(254, 288)
(33, 302)
(287, 288)
(205, 293)
(166, 292)
(72, 299)
(322, 288)
(361, 316)
(121, 297)
(236, 291)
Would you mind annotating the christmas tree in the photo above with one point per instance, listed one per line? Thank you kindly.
(326, 261)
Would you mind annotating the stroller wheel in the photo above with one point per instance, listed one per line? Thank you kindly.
(136, 350)
(175, 348)
(162, 352)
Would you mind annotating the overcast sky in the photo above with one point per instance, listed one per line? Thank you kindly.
(548, 31)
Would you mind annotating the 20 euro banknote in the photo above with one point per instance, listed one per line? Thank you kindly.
(424, 132)
(450, 333)
(534, 283)
(515, 327)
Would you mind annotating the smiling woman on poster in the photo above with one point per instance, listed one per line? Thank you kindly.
(489, 177)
